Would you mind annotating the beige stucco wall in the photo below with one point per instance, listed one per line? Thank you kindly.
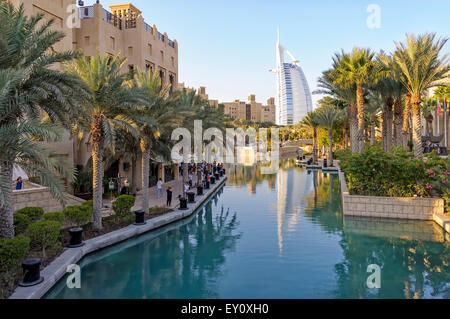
(41, 197)
(389, 207)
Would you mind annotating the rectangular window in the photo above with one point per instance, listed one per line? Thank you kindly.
(173, 61)
(130, 51)
(162, 57)
(112, 43)
(150, 51)
(87, 40)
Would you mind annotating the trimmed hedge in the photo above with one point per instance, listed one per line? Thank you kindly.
(44, 234)
(13, 252)
(122, 205)
(78, 215)
(21, 223)
(35, 213)
(56, 216)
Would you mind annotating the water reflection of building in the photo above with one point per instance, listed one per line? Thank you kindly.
(290, 188)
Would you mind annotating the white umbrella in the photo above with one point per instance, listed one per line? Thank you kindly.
(19, 172)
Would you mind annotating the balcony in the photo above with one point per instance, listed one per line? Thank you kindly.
(112, 19)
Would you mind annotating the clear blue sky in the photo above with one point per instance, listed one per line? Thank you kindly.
(229, 46)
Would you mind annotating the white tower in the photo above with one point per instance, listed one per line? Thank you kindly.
(293, 95)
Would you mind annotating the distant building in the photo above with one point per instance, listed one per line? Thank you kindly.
(294, 96)
(251, 110)
(200, 92)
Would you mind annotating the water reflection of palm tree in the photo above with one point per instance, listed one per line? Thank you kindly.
(411, 260)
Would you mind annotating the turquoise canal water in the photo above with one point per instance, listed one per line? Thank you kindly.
(271, 236)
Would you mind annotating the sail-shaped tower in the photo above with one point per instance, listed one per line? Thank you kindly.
(294, 97)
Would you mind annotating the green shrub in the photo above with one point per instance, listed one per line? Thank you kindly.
(35, 213)
(88, 203)
(56, 216)
(377, 173)
(21, 223)
(342, 154)
(78, 215)
(13, 252)
(122, 205)
(44, 234)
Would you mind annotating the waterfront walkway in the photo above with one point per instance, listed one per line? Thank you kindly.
(153, 197)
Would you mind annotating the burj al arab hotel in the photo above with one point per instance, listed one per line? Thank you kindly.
(294, 97)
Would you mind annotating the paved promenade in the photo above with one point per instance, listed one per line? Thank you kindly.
(153, 196)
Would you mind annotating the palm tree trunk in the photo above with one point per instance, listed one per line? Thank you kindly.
(315, 146)
(353, 128)
(345, 137)
(388, 123)
(406, 116)
(372, 129)
(145, 149)
(360, 116)
(398, 120)
(330, 138)
(133, 175)
(7, 204)
(98, 143)
(417, 125)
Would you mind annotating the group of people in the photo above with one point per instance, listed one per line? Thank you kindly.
(206, 172)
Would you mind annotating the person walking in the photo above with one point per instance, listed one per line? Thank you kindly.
(169, 196)
(159, 188)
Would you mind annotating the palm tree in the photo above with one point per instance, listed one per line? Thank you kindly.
(31, 91)
(392, 88)
(356, 69)
(328, 117)
(107, 108)
(311, 123)
(157, 115)
(346, 95)
(373, 107)
(420, 69)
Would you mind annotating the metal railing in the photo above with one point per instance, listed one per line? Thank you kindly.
(160, 36)
(147, 27)
(112, 19)
(171, 43)
(86, 12)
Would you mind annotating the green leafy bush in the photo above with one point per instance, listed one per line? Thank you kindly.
(342, 154)
(438, 177)
(35, 213)
(376, 173)
(44, 234)
(122, 206)
(13, 252)
(56, 216)
(21, 223)
(78, 215)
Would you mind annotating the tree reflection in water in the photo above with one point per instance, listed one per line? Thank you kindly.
(410, 267)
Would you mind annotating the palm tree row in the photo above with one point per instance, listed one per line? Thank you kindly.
(92, 97)
(328, 117)
(393, 85)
